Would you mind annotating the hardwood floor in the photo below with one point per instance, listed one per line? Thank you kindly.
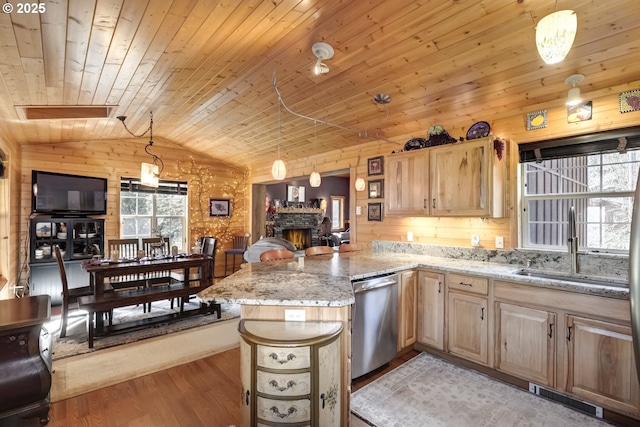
(201, 393)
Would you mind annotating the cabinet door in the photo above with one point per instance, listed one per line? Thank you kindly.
(431, 309)
(467, 326)
(525, 342)
(329, 384)
(408, 286)
(461, 179)
(406, 183)
(248, 394)
(601, 365)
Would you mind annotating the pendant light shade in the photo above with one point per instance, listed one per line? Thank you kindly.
(149, 175)
(573, 97)
(360, 184)
(555, 34)
(278, 170)
(315, 179)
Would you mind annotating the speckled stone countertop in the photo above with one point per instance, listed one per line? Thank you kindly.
(325, 280)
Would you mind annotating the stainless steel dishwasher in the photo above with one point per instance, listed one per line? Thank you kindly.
(374, 336)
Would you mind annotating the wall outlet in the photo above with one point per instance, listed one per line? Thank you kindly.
(499, 242)
(295, 315)
(409, 236)
(475, 240)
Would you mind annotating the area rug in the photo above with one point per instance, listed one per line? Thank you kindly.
(75, 342)
(430, 392)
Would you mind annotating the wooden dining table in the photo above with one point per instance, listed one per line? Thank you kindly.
(101, 270)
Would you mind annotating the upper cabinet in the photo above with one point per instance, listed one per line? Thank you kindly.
(407, 183)
(462, 179)
(467, 179)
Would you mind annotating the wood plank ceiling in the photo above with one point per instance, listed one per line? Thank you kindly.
(205, 68)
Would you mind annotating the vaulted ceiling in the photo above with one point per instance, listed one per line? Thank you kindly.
(206, 68)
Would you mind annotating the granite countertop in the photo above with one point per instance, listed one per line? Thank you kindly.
(325, 280)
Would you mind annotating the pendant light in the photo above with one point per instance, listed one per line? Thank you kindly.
(555, 34)
(314, 178)
(573, 97)
(149, 172)
(278, 170)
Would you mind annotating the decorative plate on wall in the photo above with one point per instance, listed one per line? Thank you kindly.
(479, 130)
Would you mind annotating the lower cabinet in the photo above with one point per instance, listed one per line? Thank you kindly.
(291, 373)
(525, 342)
(407, 313)
(601, 364)
(431, 309)
(468, 317)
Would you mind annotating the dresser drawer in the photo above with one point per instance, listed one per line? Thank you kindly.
(462, 282)
(283, 357)
(283, 384)
(284, 411)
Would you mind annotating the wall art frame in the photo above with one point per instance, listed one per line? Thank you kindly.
(375, 166)
(376, 189)
(537, 120)
(219, 207)
(374, 211)
(629, 101)
(296, 193)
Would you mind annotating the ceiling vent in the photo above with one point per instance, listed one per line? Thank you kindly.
(62, 112)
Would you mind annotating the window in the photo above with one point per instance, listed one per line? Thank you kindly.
(599, 185)
(337, 213)
(150, 212)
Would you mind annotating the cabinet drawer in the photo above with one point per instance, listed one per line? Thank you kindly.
(284, 411)
(462, 282)
(283, 358)
(283, 384)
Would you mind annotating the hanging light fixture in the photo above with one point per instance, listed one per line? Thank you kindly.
(555, 34)
(278, 170)
(322, 51)
(314, 178)
(573, 97)
(149, 172)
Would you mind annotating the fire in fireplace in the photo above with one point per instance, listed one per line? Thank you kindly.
(300, 237)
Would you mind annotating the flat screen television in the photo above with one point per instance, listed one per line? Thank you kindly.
(68, 195)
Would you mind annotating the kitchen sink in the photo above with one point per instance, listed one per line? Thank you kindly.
(575, 279)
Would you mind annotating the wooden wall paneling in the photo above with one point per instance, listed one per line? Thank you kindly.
(10, 219)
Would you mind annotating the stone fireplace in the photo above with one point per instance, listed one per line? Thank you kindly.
(301, 226)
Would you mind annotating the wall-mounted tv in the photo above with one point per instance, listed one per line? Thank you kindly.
(68, 195)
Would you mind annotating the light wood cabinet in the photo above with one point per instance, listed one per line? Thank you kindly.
(407, 183)
(407, 303)
(525, 342)
(291, 373)
(601, 364)
(467, 179)
(431, 309)
(468, 317)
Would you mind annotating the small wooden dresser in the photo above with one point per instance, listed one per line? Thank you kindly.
(25, 358)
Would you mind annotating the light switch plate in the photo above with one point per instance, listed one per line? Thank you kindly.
(409, 236)
(475, 240)
(499, 242)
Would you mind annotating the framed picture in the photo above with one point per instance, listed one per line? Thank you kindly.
(374, 212)
(580, 112)
(629, 101)
(219, 207)
(376, 189)
(295, 193)
(537, 120)
(375, 166)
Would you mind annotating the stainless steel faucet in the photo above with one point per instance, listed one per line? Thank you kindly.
(573, 241)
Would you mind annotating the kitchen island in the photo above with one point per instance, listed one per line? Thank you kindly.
(321, 286)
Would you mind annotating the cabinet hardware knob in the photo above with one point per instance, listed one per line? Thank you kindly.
(569, 336)
(550, 330)
(323, 397)
(433, 203)
(424, 203)
(246, 398)
(439, 287)
(466, 284)
(481, 313)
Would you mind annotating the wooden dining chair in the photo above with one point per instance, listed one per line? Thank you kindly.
(154, 246)
(349, 247)
(276, 254)
(69, 295)
(318, 250)
(127, 248)
(240, 242)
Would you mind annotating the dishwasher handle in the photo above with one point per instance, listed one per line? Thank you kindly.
(373, 284)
